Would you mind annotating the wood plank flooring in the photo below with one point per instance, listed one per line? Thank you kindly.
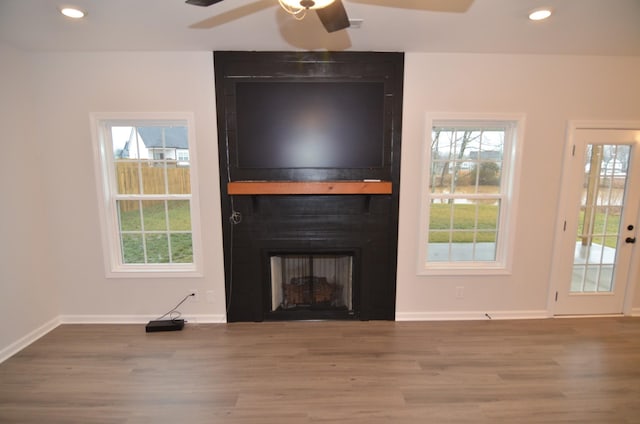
(539, 371)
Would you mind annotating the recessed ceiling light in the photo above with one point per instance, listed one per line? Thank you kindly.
(72, 12)
(539, 14)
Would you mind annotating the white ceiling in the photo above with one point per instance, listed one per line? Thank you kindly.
(585, 27)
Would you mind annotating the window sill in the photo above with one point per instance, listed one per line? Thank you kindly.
(190, 272)
(453, 270)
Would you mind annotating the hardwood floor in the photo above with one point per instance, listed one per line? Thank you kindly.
(539, 371)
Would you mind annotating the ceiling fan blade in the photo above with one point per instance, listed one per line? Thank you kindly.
(203, 3)
(334, 17)
(233, 14)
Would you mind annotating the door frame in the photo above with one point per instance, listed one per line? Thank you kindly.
(555, 283)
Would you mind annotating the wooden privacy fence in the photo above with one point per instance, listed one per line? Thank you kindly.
(129, 176)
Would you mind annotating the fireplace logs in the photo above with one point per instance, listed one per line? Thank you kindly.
(309, 290)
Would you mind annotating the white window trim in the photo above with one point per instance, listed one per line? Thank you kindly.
(511, 171)
(114, 268)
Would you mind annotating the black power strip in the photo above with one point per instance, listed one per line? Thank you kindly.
(165, 325)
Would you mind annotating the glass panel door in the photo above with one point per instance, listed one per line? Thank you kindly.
(600, 197)
(605, 181)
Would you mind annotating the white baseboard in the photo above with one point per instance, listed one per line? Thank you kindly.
(207, 319)
(137, 319)
(635, 312)
(25, 341)
(470, 315)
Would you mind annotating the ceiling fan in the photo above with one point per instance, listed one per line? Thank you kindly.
(332, 13)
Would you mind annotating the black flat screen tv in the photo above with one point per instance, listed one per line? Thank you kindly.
(310, 125)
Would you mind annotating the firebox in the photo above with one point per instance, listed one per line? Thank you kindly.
(311, 282)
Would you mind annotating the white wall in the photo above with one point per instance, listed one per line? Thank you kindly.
(549, 90)
(51, 262)
(69, 87)
(28, 294)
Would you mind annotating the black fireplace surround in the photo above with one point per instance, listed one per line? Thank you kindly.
(309, 117)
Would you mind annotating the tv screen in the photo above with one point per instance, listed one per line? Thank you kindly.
(310, 124)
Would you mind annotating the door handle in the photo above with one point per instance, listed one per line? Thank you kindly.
(630, 240)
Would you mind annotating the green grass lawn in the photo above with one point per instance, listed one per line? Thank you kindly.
(471, 222)
(606, 227)
(175, 219)
(465, 215)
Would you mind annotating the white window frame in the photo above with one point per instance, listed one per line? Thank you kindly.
(107, 189)
(509, 190)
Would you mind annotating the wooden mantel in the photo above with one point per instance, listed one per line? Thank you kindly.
(308, 187)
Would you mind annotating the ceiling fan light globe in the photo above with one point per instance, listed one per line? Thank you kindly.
(302, 4)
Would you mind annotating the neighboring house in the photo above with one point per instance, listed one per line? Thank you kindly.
(493, 155)
(158, 143)
(466, 161)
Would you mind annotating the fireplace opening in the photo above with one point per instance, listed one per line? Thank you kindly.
(309, 282)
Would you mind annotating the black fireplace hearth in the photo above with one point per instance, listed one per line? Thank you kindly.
(350, 230)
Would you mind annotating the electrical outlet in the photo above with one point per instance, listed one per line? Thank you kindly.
(195, 296)
(210, 296)
(459, 292)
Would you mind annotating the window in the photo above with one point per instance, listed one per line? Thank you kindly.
(468, 195)
(182, 156)
(148, 205)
